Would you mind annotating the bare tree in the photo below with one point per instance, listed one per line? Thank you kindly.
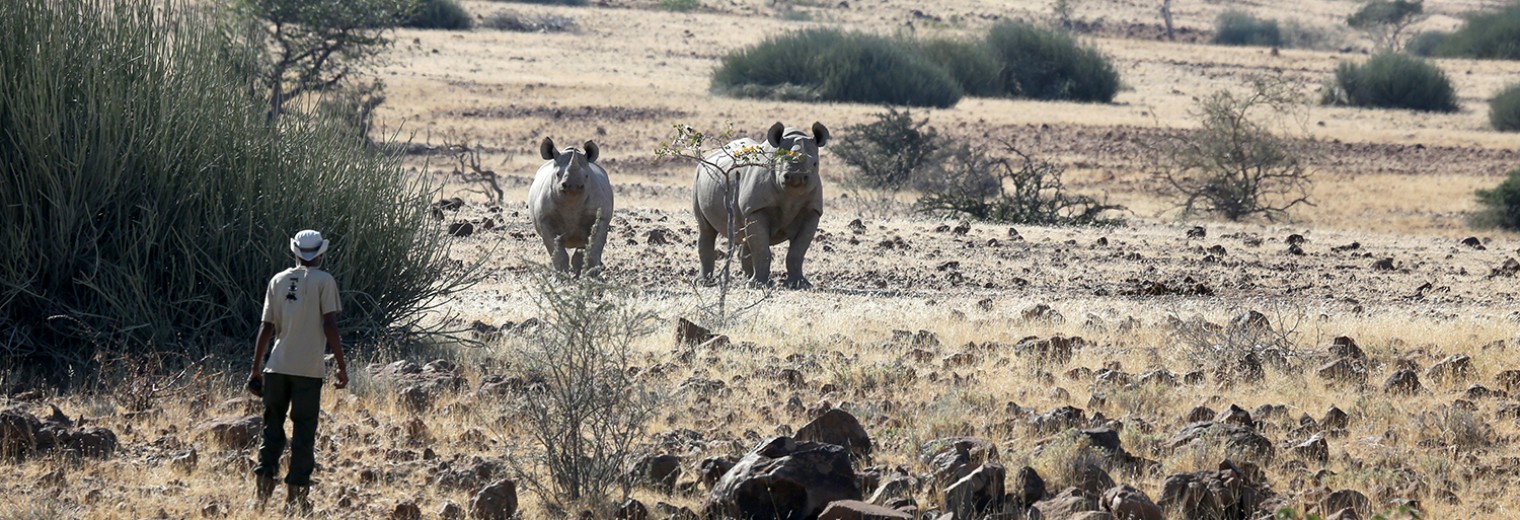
(1166, 16)
(468, 168)
(1236, 166)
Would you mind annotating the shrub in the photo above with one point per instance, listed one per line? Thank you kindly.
(440, 14)
(1426, 43)
(1493, 35)
(550, 2)
(971, 63)
(1018, 189)
(1504, 109)
(680, 5)
(1048, 64)
(587, 413)
(1241, 28)
(152, 216)
(890, 151)
(1501, 205)
(1393, 81)
(518, 22)
(831, 65)
(1386, 20)
(1300, 35)
(1234, 165)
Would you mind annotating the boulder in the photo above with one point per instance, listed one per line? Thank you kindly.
(658, 471)
(952, 458)
(1345, 499)
(1343, 370)
(632, 509)
(713, 469)
(233, 432)
(495, 502)
(1402, 382)
(1233, 492)
(978, 493)
(837, 427)
(784, 479)
(1027, 488)
(1455, 368)
(1127, 503)
(1235, 437)
(1068, 504)
(857, 510)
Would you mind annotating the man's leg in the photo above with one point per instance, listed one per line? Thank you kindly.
(276, 403)
(305, 405)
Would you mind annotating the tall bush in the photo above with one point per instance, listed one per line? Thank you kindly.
(1504, 109)
(1393, 81)
(1235, 27)
(970, 62)
(1501, 205)
(832, 65)
(147, 200)
(1049, 64)
(440, 14)
(1493, 35)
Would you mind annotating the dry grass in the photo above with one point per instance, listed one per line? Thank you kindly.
(631, 72)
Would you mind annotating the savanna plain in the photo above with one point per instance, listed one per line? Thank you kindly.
(1069, 351)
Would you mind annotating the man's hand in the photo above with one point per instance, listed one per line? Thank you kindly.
(256, 384)
(342, 379)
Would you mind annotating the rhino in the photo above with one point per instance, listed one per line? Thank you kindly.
(775, 202)
(570, 202)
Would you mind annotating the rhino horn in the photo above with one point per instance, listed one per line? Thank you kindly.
(592, 152)
(773, 137)
(820, 134)
(546, 149)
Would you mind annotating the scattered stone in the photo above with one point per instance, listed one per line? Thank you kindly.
(185, 462)
(632, 509)
(1509, 379)
(1197, 232)
(657, 237)
(461, 229)
(1068, 504)
(1346, 499)
(1055, 350)
(1235, 437)
(1402, 382)
(1027, 488)
(406, 510)
(495, 502)
(1315, 449)
(1343, 370)
(783, 478)
(1384, 264)
(1335, 419)
(1345, 347)
(451, 511)
(1452, 369)
(1042, 313)
(713, 469)
(838, 427)
(857, 510)
(233, 432)
(659, 471)
(1232, 491)
(1058, 420)
(1474, 243)
(688, 333)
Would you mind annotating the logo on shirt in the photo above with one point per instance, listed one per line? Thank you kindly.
(291, 295)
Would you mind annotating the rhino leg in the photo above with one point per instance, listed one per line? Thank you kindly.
(756, 229)
(707, 249)
(557, 254)
(797, 250)
(577, 260)
(594, 248)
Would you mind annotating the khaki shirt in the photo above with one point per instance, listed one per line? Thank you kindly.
(295, 303)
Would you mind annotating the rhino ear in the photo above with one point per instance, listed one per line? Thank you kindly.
(592, 152)
(546, 149)
(820, 134)
(773, 136)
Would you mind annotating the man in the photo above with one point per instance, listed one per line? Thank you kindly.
(300, 314)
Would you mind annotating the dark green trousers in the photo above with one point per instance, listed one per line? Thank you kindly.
(301, 397)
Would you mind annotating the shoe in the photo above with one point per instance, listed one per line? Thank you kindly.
(266, 485)
(298, 500)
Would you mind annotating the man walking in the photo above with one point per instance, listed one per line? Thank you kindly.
(300, 314)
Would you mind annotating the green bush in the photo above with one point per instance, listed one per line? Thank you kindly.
(1048, 64)
(1393, 81)
(550, 2)
(1493, 35)
(971, 63)
(1241, 28)
(831, 65)
(1504, 109)
(1501, 205)
(440, 14)
(147, 200)
(890, 151)
(1427, 43)
(680, 5)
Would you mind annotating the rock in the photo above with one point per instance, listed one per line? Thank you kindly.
(1345, 347)
(451, 511)
(895, 486)
(1127, 503)
(233, 432)
(783, 478)
(666, 511)
(1250, 321)
(837, 427)
(185, 462)
(688, 333)
(1237, 416)
(1058, 420)
(1091, 480)
(632, 509)
(657, 237)
(857, 510)
(1343, 370)
(713, 469)
(1197, 232)
(1042, 313)
(1474, 243)
(952, 458)
(1056, 350)
(1200, 413)
(406, 510)
(461, 229)
(1069, 503)
(467, 475)
(1509, 379)
(1344, 514)
(1335, 419)
(1232, 492)
(1235, 438)
(1479, 392)
(1403, 382)
(1346, 499)
(1451, 369)
(978, 493)
(1027, 488)
(1384, 264)
(495, 502)
(658, 471)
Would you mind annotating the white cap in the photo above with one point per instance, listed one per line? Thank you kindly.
(308, 245)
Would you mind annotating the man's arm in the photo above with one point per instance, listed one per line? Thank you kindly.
(334, 343)
(261, 347)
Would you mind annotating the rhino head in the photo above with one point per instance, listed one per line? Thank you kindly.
(800, 166)
(570, 165)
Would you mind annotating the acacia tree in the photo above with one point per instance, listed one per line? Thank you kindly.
(1386, 20)
(320, 46)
